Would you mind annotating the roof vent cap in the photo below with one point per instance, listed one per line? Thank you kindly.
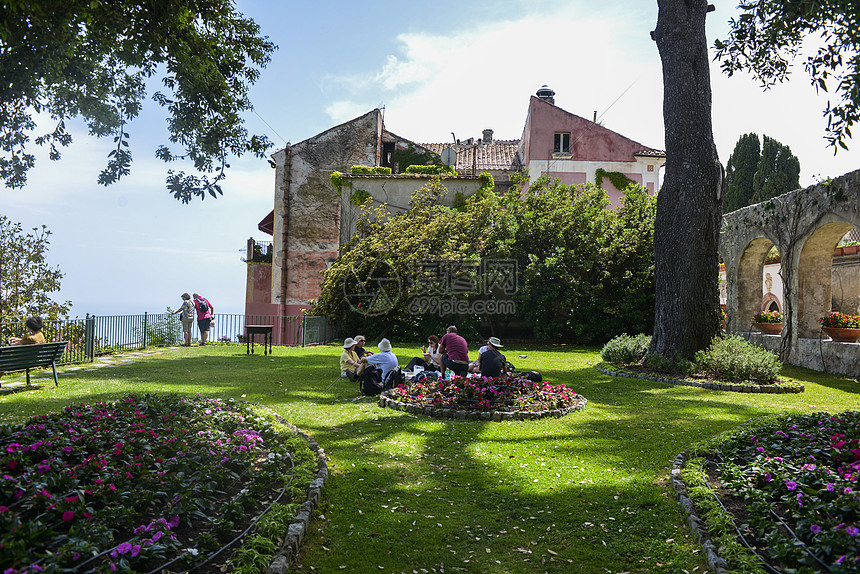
(546, 94)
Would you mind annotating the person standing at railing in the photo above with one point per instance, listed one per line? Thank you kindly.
(187, 316)
(205, 312)
(34, 325)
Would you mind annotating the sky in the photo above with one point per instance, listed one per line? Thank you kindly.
(436, 68)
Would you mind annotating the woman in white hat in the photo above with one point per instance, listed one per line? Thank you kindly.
(349, 360)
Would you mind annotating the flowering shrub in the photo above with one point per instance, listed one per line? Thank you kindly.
(799, 478)
(768, 317)
(137, 484)
(505, 393)
(841, 321)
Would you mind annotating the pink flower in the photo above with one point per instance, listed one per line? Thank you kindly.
(68, 516)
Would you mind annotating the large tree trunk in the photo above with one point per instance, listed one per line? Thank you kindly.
(689, 204)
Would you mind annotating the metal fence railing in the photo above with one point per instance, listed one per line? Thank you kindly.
(101, 335)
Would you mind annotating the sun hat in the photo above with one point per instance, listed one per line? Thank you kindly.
(348, 343)
(384, 345)
(494, 341)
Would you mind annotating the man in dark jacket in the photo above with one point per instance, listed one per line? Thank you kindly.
(491, 362)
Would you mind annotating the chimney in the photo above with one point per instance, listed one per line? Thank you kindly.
(488, 137)
(546, 94)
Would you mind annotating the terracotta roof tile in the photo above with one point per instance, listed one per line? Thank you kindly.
(501, 155)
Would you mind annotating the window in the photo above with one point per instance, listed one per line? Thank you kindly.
(561, 143)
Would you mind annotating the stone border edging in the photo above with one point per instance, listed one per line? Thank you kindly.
(715, 562)
(497, 416)
(281, 561)
(775, 389)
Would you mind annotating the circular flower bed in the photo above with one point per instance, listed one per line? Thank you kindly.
(144, 484)
(478, 398)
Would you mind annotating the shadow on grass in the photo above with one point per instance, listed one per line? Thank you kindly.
(583, 493)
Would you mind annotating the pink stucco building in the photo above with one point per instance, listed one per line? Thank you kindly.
(573, 149)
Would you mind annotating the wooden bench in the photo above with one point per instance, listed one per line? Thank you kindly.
(26, 357)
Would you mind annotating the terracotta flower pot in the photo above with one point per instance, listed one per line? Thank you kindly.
(842, 335)
(850, 249)
(769, 328)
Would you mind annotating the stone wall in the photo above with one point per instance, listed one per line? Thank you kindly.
(805, 225)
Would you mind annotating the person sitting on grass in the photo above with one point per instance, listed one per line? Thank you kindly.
(491, 363)
(35, 337)
(349, 361)
(385, 360)
(359, 346)
(432, 359)
(455, 351)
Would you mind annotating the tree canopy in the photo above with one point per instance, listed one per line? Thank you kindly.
(26, 280)
(756, 172)
(86, 59)
(768, 35)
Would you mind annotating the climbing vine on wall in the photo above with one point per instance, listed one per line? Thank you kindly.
(369, 170)
(337, 180)
(431, 169)
(412, 156)
(618, 179)
(359, 197)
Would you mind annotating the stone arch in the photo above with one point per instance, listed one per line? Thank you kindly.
(770, 302)
(814, 273)
(750, 268)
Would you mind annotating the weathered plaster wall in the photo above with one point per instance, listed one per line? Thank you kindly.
(307, 206)
(805, 225)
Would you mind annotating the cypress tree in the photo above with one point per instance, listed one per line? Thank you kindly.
(778, 171)
(740, 171)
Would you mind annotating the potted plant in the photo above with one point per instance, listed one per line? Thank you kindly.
(769, 322)
(841, 327)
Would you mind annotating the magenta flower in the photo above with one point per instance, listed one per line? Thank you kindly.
(68, 516)
(791, 485)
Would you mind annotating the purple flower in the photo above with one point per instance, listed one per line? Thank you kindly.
(790, 484)
(815, 529)
(847, 490)
(852, 531)
(831, 487)
(124, 548)
(135, 550)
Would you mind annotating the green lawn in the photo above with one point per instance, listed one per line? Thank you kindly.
(584, 493)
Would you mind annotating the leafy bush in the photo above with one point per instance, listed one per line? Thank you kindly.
(583, 272)
(732, 358)
(369, 170)
(431, 169)
(625, 349)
